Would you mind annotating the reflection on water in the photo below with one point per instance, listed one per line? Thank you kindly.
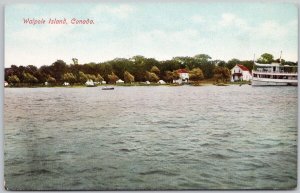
(151, 138)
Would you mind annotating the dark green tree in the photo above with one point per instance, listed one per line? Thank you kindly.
(266, 58)
(231, 63)
(202, 57)
(57, 69)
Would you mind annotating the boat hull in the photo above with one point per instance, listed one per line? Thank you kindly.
(273, 82)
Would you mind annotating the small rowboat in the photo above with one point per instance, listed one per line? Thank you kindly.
(108, 88)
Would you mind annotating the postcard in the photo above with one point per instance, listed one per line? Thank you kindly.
(151, 96)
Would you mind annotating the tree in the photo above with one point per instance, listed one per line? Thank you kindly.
(202, 57)
(128, 78)
(113, 78)
(13, 79)
(222, 74)
(231, 63)
(196, 74)
(138, 58)
(248, 63)
(40, 76)
(31, 69)
(155, 70)
(58, 68)
(91, 77)
(168, 76)
(175, 75)
(51, 80)
(69, 77)
(151, 77)
(99, 78)
(220, 63)
(138, 67)
(186, 62)
(75, 60)
(29, 78)
(169, 65)
(266, 58)
(82, 77)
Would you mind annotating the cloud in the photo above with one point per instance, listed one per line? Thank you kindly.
(163, 44)
(24, 7)
(181, 37)
(271, 29)
(197, 19)
(268, 29)
(47, 33)
(121, 11)
(232, 20)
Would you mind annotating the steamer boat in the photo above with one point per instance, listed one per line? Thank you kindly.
(274, 74)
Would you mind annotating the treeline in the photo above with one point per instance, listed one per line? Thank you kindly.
(135, 69)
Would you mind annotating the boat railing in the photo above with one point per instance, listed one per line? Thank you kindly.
(274, 72)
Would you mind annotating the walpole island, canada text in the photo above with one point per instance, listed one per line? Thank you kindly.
(54, 21)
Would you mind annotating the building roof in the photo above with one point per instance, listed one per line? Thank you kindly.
(242, 67)
(182, 71)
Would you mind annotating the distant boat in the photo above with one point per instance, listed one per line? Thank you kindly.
(108, 88)
(274, 74)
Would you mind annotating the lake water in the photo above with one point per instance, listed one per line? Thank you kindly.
(163, 137)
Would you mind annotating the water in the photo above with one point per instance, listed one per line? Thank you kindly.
(151, 138)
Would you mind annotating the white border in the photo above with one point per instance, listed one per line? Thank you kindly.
(2, 18)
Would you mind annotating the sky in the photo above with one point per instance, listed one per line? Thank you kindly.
(155, 30)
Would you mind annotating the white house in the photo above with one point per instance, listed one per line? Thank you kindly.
(240, 73)
(103, 82)
(183, 76)
(119, 81)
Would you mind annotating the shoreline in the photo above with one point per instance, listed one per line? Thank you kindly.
(206, 83)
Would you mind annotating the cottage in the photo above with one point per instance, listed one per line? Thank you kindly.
(240, 73)
(119, 81)
(183, 76)
(161, 82)
(90, 83)
(66, 84)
